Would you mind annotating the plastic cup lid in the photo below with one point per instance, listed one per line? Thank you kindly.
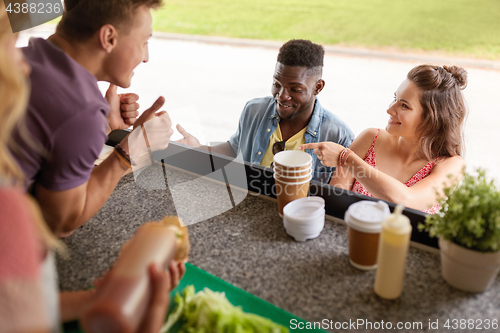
(367, 216)
(303, 231)
(313, 220)
(304, 208)
(305, 228)
(302, 237)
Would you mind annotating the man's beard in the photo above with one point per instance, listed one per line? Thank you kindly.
(301, 110)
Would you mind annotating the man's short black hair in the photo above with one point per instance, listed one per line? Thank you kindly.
(303, 53)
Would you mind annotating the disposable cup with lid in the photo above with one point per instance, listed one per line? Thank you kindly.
(364, 219)
(367, 216)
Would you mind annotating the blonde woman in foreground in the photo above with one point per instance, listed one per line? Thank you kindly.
(408, 162)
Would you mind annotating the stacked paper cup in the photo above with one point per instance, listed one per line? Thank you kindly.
(304, 218)
(292, 174)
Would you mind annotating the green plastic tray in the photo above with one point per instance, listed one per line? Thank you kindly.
(249, 303)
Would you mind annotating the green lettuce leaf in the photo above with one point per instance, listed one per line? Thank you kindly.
(208, 311)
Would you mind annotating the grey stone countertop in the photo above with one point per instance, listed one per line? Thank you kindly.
(248, 247)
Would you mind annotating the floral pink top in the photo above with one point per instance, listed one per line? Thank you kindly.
(421, 174)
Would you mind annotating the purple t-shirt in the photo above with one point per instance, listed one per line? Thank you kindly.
(66, 119)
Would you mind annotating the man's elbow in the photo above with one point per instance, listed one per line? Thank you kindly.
(62, 210)
(64, 226)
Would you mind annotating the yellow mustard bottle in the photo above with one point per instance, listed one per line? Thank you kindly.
(392, 251)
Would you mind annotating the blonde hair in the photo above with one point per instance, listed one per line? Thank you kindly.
(13, 102)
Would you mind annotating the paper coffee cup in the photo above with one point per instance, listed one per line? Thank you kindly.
(292, 160)
(364, 220)
(292, 179)
(291, 173)
(288, 191)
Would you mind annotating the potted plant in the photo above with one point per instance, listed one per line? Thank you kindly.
(468, 227)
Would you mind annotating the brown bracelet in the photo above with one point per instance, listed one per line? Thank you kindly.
(341, 156)
(344, 155)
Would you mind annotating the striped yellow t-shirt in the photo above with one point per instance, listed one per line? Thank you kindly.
(291, 144)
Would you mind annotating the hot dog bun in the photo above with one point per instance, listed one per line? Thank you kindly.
(183, 246)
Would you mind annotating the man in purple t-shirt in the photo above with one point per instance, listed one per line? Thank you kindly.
(68, 118)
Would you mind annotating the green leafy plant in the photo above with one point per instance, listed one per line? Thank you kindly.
(470, 214)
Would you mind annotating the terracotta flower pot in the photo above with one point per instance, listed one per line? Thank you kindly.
(467, 269)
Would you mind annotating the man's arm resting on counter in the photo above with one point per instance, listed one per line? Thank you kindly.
(67, 210)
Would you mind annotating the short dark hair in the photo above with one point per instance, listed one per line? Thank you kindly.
(302, 53)
(441, 129)
(83, 18)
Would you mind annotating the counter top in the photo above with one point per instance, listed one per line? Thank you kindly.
(247, 246)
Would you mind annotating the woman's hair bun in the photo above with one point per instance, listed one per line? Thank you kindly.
(459, 74)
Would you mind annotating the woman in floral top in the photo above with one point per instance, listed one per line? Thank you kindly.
(409, 161)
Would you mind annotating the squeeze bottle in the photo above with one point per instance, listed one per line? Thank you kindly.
(392, 251)
(121, 301)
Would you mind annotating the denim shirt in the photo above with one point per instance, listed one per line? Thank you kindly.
(259, 120)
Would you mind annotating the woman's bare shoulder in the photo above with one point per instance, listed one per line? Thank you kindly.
(364, 140)
(447, 171)
(454, 162)
(453, 165)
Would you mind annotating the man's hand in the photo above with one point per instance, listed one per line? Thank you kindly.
(123, 109)
(151, 114)
(188, 139)
(156, 127)
(152, 132)
(162, 283)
